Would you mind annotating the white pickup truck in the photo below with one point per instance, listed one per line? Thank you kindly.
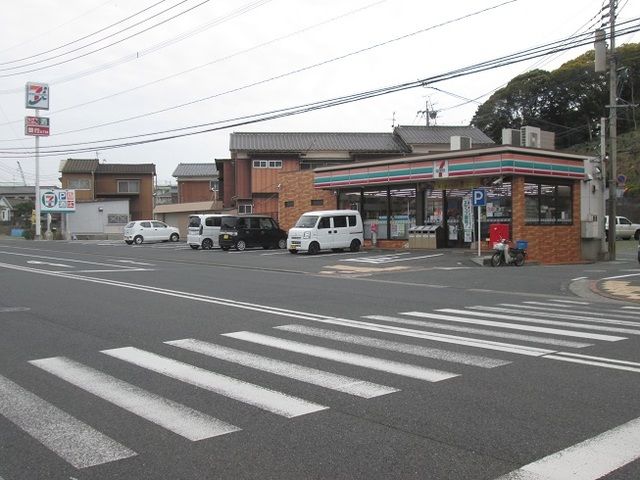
(625, 228)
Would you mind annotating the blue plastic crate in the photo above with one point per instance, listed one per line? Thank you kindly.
(522, 244)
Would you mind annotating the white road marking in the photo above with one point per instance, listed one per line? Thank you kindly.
(74, 441)
(333, 381)
(133, 262)
(578, 278)
(389, 366)
(265, 309)
(512, 326)
(68, 260)
(171, 415)
(390, 258)
(38, 262)
(261, 397)
(572, 302)
(630, 308)
(580, 312)
(13, 309)
(481, 331)
(439, 354)
(587, 460)
(564, 316)
(596, 361)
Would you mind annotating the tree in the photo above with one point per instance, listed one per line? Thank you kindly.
(22, 213)
(568, 101)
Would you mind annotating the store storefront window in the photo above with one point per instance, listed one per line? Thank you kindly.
(548, 204)
(403, 212)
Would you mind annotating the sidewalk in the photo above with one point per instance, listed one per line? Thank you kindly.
(624, 289)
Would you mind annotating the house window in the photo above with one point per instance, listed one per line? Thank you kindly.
(267, 164)
(548, 204)
(288, 204)
(79, 184)
(117, 218)
(128, 186)
(245, 208)
(317, 202)
(214, 185)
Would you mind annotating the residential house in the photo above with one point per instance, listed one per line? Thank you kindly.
(94, 181)
(197, 182)
(271, 173)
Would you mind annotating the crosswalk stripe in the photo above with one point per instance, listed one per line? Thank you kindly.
(173, 416)
(590, 313)
(588, 460)
(520, 312)
(439, 337)
(481, 331)
(437, 353)
(333, 381)
(512, 326)
(383, 365)
(572, 302)
(76, 442)
(261, 397)
(596, 361)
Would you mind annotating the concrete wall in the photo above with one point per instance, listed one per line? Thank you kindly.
(89, 219)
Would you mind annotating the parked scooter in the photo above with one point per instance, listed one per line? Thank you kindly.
(506, 255)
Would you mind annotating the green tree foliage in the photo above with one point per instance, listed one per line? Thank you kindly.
(22, 213)
(568, 101)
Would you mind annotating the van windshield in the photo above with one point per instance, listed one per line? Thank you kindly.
(307, 221)
(194, 221)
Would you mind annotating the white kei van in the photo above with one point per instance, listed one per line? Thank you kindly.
(204, 230)
(326, 229)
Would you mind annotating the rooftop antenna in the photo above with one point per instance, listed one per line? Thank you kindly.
(393, 120)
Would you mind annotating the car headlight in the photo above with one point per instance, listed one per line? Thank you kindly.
(306, 235)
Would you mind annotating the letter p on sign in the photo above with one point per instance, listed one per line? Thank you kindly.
(479, 197)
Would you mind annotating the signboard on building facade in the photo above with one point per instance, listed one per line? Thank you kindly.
(57, 201)
(36, 126)
(37, 96)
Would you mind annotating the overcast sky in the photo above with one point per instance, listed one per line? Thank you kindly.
(233, 58)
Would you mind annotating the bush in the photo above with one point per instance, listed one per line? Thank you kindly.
(29, 234)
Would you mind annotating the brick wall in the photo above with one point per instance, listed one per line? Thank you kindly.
(297, 187)
(548, 244)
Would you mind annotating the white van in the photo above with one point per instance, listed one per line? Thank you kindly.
(326, 229)
(204, 230)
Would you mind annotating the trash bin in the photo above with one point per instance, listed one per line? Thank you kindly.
(430, 240)
(413, 237)
(419, 236)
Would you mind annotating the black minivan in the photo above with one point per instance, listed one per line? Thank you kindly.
(251, 231)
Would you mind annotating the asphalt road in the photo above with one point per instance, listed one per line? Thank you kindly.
(159, 362)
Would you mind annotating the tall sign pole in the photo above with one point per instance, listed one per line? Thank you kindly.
(37, 98)
(613, 130)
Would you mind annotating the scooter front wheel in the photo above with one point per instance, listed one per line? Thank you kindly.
(496, 259)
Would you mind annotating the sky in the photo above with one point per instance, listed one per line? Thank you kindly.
(122, 68)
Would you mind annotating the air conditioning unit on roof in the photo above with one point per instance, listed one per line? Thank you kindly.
(511, 136)
(530, 137)
(460, 143)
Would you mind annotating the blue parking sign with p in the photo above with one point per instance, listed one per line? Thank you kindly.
(479, 197)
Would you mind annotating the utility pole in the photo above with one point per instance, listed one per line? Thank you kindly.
(613, 131)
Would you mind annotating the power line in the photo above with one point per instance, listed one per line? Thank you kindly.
(293, 72)
(528, 54)
(83, 38)
(62, 62)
